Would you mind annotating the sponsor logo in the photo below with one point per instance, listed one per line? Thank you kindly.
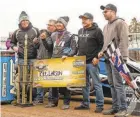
(78, 63)
(40, 66)
(84, 35)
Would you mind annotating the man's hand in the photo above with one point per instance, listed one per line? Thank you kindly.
(15, 49)
(36, 85)
(64, 57)
(100, 54)
(95, 61)
(43, 35)
(36, 40)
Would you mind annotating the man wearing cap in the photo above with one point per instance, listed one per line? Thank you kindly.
(116, 28)
(18, 38)
(90, 43)
(64, 45)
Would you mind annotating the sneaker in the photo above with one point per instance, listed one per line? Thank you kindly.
(98, 110)
(50, 105)
(82, 107)
(65, 107)
(37, 102)
(121, 113)
(110, 112)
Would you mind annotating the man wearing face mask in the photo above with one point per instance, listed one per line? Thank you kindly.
(64, 45)
(90, 43)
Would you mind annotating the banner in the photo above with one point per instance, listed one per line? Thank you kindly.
(57, 73)
(112, 53)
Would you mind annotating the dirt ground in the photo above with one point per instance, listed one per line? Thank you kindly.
(40, 111)
(8, 110)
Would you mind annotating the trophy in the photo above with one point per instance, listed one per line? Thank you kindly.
(25, 80)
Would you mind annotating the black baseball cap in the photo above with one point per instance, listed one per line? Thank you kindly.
(86, 15)
(109, 6)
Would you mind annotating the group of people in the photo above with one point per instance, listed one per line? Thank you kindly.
(57, 42)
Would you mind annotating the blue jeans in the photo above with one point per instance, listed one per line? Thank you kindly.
(117, 88)
(93, 71)
(29, 62)
(55, 95)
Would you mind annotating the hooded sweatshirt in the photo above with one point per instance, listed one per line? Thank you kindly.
(90, 42)
(18, 38)
(117, 29)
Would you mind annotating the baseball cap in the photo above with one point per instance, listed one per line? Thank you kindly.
(109, 6)
(86, 15)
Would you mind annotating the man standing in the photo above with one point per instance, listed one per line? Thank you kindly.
(90, 43)
(51, 28)
(116, 28)
(18, 38)
(63, 45)
(45, 53)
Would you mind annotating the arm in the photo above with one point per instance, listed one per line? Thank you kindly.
(73, 46)
(77, 49)
(48, 44)
(122, 34)
(13, 40)
(36, 43)
(36, 40)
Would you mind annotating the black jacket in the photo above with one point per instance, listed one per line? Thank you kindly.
(90, 42)
(18, 40)
(66, 46)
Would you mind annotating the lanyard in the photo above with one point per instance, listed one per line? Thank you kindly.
(58, 39)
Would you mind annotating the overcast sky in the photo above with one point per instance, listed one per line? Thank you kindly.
(40, 11)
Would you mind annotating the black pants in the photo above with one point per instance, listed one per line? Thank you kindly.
(55, 95)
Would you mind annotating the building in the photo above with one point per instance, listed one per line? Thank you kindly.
(134, 39)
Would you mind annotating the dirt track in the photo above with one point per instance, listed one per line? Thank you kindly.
(40, 111)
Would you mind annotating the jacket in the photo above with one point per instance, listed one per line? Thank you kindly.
(90, 42)
(117, 29)
(64, 46)
(18, 38)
